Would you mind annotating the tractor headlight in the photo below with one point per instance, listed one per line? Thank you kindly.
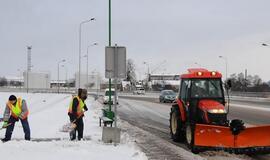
(217, 111)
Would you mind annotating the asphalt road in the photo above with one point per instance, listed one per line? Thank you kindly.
(150, 115)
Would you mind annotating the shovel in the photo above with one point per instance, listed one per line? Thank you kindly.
(69, 127)
(5, 127)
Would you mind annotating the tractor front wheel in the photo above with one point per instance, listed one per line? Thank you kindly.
(190, 138)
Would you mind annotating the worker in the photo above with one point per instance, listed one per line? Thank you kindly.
(76, 111)
(16, 109)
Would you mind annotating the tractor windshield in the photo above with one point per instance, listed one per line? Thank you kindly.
(206, 88)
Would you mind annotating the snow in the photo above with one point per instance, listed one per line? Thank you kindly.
(48, 112)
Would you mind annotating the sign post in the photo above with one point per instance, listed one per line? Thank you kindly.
(115, 68)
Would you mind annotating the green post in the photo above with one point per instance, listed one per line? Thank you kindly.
(110, 81)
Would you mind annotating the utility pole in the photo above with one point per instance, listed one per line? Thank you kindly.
(29, 48)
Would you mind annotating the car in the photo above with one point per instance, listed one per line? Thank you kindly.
(139, 91)
(106, 96)
(167, 96)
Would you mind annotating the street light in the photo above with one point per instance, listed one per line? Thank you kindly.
(66, 70)
(80, 39)
(226, 63)
(148, 70)
(94, 44)
(58, 85)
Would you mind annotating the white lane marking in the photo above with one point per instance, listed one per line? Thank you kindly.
(251, 107)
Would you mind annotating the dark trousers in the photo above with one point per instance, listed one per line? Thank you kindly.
(79, 129)
(10, 128)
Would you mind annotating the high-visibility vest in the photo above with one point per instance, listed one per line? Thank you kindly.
(17, 109)
(79, 107)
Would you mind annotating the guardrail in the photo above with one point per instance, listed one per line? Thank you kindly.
(101, 92)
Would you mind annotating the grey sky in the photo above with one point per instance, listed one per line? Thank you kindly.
(179, 31)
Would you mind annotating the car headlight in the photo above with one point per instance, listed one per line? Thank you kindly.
(217, 111)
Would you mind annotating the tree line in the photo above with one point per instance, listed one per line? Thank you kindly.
(249, 83)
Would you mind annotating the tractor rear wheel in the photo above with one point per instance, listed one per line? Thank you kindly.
(176, 125)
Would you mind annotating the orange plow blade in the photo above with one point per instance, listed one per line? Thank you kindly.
(213, 136)
(250, 140)
(258, 136)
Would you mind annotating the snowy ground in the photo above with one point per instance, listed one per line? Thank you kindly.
(48, 112)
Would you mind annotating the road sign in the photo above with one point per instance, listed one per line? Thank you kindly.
(115, 62)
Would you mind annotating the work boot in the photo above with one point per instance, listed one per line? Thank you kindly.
(5, 140)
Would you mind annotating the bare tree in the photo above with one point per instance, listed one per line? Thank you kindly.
(3, 81)
(131, 75)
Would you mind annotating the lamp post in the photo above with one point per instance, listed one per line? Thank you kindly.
(66, 72)
(58, 85)
(148, 70)
(87, 56)
(80, 39)
(226, 63)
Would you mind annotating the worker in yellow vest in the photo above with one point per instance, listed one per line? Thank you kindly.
(76, 111)
(16, 109)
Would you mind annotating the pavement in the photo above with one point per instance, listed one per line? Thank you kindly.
(147, 114)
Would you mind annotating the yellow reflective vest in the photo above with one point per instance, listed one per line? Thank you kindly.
(16, 109)
(79, 107)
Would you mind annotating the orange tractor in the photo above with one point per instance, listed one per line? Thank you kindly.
(199, 118)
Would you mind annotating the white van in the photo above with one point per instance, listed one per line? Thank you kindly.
(106, 96)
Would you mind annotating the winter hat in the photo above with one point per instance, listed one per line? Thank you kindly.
(12, 98)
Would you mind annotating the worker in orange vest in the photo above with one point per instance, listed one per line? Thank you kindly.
(16, 109)
(76, 111)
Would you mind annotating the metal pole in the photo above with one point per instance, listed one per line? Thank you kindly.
(80, 39)
(87, 68)
(58, 86)
(28, 66)
(226, 69)
(115, 86)
(110, 81)
(80, 32)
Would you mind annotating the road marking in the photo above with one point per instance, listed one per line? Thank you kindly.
(251, 107)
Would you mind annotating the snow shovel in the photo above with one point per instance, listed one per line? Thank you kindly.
(5, 127)
(69, 127)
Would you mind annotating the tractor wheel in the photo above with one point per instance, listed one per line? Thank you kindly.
(176, 125)
(190, 138)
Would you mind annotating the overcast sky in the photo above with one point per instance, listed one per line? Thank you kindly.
(182, 32)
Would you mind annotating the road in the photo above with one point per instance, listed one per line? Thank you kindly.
(149, 115)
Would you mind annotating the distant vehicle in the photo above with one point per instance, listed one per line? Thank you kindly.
(139, 91)
(106, 96)
(167, 96)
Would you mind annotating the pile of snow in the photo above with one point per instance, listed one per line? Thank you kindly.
(48, 112)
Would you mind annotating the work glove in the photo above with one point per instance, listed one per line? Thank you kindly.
(5, 124)
(21, 116)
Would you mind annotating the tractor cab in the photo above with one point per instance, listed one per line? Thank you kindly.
(202, 96)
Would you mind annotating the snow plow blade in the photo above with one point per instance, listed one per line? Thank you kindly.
(251, 140)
